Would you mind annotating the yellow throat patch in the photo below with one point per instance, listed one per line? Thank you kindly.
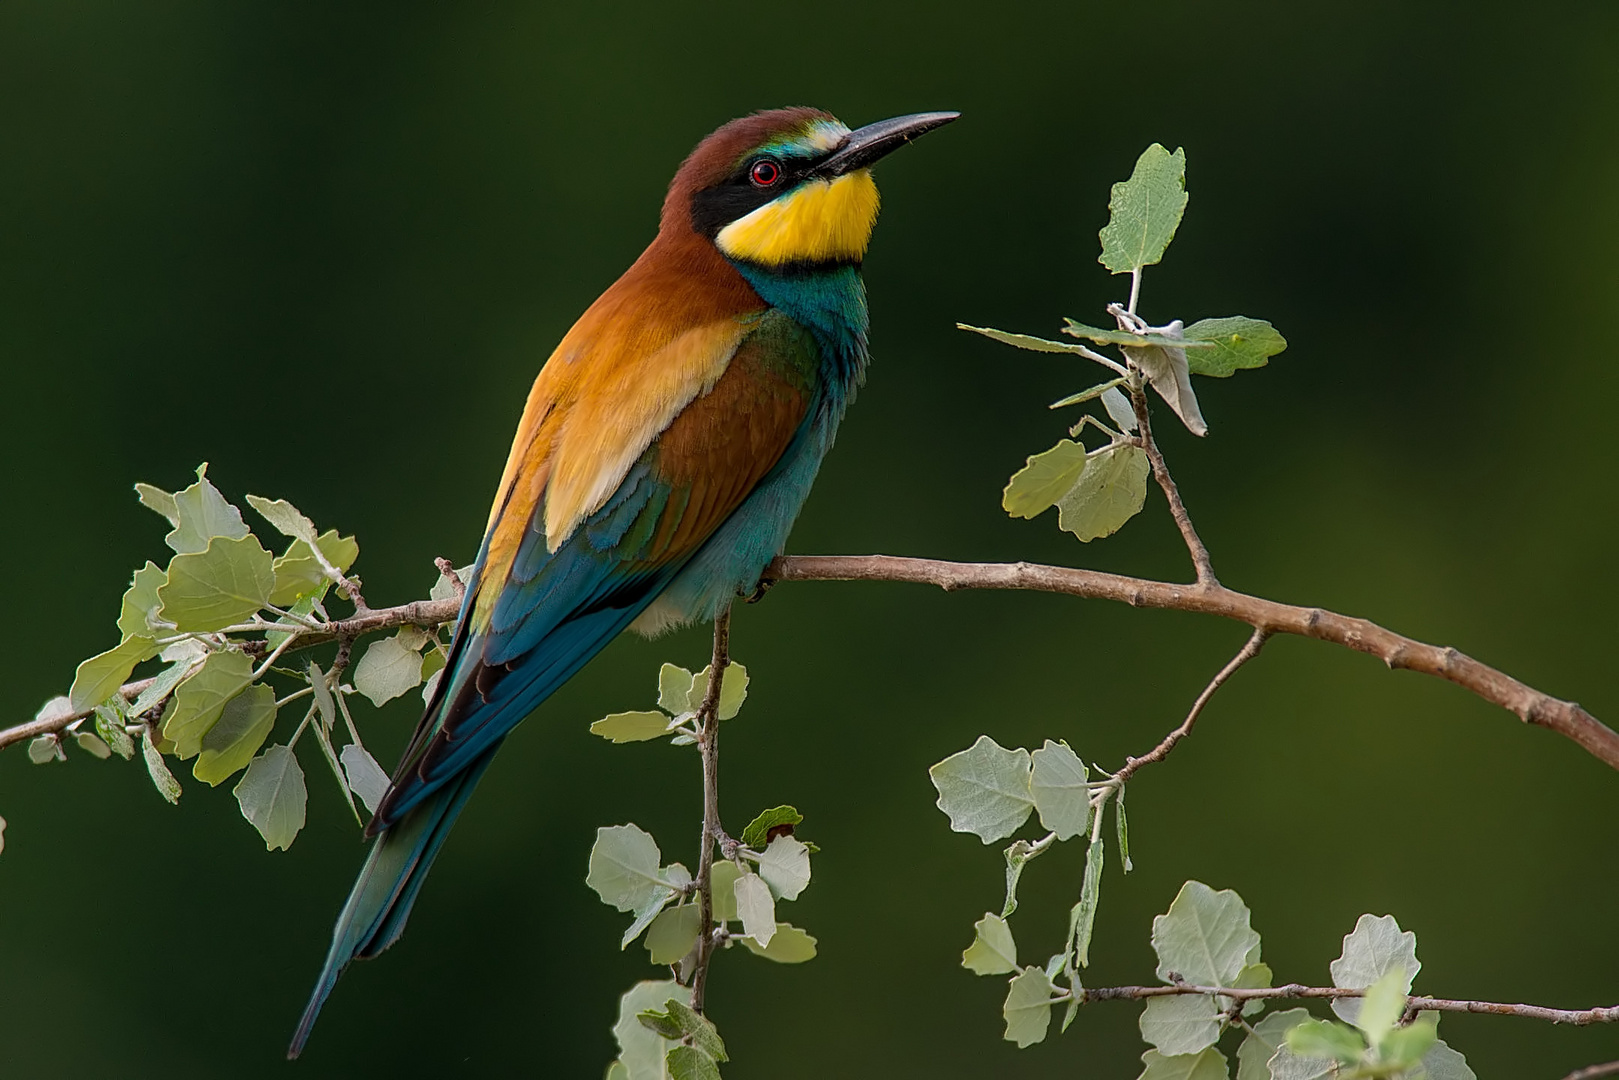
(819, 221)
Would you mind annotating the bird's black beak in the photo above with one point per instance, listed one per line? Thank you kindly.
(865, 145)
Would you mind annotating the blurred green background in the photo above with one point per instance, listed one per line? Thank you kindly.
(327, 247)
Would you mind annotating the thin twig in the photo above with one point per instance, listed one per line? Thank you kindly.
(1250, 650)
(1416, 1003)
(708, 744)
(1177, 509)
(1593, 1072)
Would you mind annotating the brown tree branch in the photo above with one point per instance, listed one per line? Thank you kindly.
(1177, 509)
(1594, 1072)
(708, 744)
(1416, 1003)
(1211, 598)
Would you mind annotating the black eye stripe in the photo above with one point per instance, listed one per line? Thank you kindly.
(741, 192)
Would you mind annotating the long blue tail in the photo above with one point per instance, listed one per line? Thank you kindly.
(377, 908)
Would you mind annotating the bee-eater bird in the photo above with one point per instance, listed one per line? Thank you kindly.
(664, 453)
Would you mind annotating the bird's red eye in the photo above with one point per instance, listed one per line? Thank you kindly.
(765, 172)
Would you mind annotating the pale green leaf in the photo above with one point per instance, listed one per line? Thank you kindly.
(733, 691)
(1024, 341)
(1239, 342)
(1325, 1040)
(1262, 1042)
(757, 834)
(140, 603)
(167, 786)
(388, 670)
(1057, 780)
(1380, 1009)
(1082, 917)
(673, 933)
(649, 910)
(1119, 409)
(1405, 1046)
(430, 687)
(45, 748)
(1144, 211)
(1444, 1063)
(1110, 491)
(272, 796)
(365, 777)
(789, 945)
(285, 517)
(1044, 479)
(984, 790)
(99, 677)
(627, 727)
(224, 584)
(785, 866)
(640, 1050)
(1017, 857)
(1251, 977)
(1184, 1024)
(1027, 1009)
(1086, 395)
(443, 588)
(1121, 825)
(162, 686)
(755, 908)
(1074, 328)
(1210, 1064)
(244, 723)
(201, 698)
(92, 744)
(299, 575)
(159, 501)
(993, 952)
(110, 726)
(203, 514)
(1286, 1065)
(722, 877)
(624, 867)
(617, 1071)
(57, 708)
(1373, 949)
(674, 689)
(1168, 370)
(1204, 938)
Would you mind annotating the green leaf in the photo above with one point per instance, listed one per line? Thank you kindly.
(1078, 329)
(1239, 342)
(1373, 949)
(99, 677)
(679, 1021)
(674, 689)
(1208, 1065)
(158, 500)
(224, 584)
(44, 748)
(1122, 825)
(1180, 1025)
(1443, 1063)
(1058, 780)
(757, 834)
(285, 517)
(1086, 395)
(785, 866)
(993, 952)
(673, 933)
(1110, 491)
(1144, 211)
(722, 877)
(299, 575)
(1017, 857)
(632, 726)
(1204, 938)
(365, 777)
(91, 744)
(443, 589)
(1024, 341)
(1405, 1046)
(1264, 1039)
(617, 1071)
(690, 1063)
(202, 514)
(755, 908)
(984, 790)
(789, 945)
(1082, 917)
(1044, 479)
(167, 786)
(1169, 372)
(388, 669)
(202, 697)
(272, 796)
(162, 686)
(110, 726)
(244, 723)
(645, 914)
(733, 691)
(1326, 1041)
(1380, 1009)
(1251, 977)
(140, 603)
(624, 867)
(1027, 1009)
(641, 1050)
